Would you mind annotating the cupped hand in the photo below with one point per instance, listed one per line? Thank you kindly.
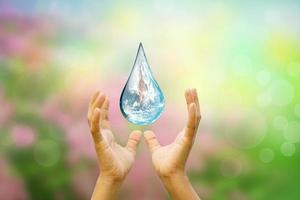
(114, 160)
(170, 160)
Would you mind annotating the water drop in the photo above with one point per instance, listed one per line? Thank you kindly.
(142, 100)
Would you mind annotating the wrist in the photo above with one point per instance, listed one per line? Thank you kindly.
(106, 188)
(179, 187)
(174, 177)
(110, 180)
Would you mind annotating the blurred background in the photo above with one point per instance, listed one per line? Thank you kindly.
(243, 57)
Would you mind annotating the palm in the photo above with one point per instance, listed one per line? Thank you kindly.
(114, 159)
(170, 158)
(167, 159)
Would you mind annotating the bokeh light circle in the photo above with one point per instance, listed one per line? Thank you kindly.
(242, 65)
(46, 153)
(288, 149)
(231, 167)
(263, 77)
(297, 110)
(245, 127)
(266, 155)
(263, 100)
(292, 131)
(281, 92)
(280, 122)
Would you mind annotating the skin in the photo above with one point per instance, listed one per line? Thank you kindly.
(169, 161)
(115, 161)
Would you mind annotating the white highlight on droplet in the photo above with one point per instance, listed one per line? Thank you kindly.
(281, 92)
(266, 155)
(280, 122)
(292, 131)
(288, 149)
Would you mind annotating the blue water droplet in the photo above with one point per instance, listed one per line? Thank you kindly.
(142, 100)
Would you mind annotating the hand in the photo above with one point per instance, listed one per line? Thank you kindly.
(169, 161)
(114, 160)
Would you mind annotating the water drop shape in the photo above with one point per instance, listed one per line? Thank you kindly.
(142, 100)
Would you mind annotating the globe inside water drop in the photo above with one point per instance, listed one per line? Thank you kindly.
(142, 100)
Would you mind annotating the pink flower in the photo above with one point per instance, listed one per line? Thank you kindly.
(15, 44)
(23, 135)
(6, 112)
(84, 182)
(53, 111)
(142, 182)
(6, 108)
(23, 40)
(80, 142)
(11, 188)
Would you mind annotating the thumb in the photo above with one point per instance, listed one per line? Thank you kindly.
(151, 141)
(133, 140)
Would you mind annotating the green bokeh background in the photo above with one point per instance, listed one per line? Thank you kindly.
(242, 56)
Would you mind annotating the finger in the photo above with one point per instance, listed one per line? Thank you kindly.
(133, 141)
(188, 97)
(104, 109)
(198, 113)
(95, 126)
(151, 141)
(192, 97)
(191, 125)
(99, 101)
(94, 97)
(104, 114)
(195, 99)
(90, 110)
